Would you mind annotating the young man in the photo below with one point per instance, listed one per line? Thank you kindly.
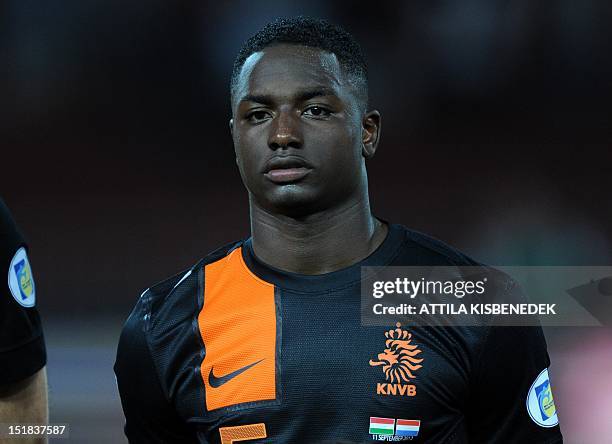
(23, 380)
(262, 339)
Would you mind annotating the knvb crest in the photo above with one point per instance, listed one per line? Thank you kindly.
(399, 362)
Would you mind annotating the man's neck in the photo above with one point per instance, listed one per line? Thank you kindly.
(318, 243)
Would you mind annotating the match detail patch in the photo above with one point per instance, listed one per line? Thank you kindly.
(381, 426)
(540, 403)
(20, 279)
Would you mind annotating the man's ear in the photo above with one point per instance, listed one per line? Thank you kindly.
(370, 133)
(231, 126)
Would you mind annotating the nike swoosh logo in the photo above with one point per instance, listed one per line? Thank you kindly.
(216, 382)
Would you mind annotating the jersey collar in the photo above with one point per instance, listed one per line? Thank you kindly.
(383, 255)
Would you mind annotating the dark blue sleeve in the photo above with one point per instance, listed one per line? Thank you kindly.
(511, 390)
(22, 345)
(150, 416)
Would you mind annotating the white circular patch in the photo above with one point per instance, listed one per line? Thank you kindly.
(21, 280)
(540, 403)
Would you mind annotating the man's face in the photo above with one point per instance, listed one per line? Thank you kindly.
(297, 131)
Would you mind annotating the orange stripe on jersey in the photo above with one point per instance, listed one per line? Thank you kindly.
(238, 327)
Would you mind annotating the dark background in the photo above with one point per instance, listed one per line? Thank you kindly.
(118, 164)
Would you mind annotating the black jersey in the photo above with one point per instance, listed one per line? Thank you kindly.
(235, 350)
(22, 347)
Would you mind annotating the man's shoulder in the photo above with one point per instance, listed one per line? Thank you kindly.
(11, 237)
(162, 320)
(424, 250)
(428, 250)
(164, 288)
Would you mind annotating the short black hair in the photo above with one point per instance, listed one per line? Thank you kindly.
(315, 33)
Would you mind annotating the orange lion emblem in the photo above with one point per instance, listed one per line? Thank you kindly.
(399, 358)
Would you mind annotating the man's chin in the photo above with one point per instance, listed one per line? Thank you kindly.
(293, 202)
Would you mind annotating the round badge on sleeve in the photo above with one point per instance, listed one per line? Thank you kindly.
(540, 403)
(20, 279)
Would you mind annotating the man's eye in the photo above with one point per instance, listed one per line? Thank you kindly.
(317, 111)
(258, 116)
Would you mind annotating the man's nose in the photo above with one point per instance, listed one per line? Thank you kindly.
(285, 131)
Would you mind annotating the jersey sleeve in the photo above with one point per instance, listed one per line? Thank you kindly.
(22, 345)
(150, 416)
(512, 397)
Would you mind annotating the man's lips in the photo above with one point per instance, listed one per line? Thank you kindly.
(285, 169)
(286, 175)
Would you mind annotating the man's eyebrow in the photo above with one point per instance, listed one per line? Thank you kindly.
(258, 98)
(308, 94)
(300, 96)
